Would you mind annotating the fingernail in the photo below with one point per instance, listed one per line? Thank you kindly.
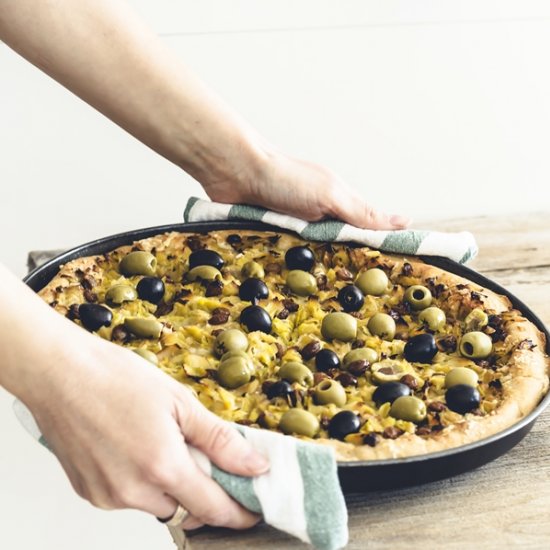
(399, 221)
(256, 462)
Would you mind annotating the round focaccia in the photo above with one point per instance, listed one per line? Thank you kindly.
(377, 355)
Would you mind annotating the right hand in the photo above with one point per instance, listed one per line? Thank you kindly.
(302, 189)
(120, 428)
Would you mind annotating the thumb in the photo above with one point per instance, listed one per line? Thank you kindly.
(222, 443)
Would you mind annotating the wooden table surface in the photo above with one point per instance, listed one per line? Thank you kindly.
(504, 504)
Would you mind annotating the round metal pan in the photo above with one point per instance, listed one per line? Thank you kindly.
(359, 476)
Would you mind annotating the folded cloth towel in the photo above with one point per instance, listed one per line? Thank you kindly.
(300, 494)
(460, 247)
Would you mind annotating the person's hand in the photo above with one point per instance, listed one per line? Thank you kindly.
(303, 189)
(120, 428)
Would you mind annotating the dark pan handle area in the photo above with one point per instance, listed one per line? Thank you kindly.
(359, 476)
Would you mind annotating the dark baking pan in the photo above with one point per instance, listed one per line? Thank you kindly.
(360, 476)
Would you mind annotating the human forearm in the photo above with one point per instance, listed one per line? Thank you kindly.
(101, 51)
(29, 338)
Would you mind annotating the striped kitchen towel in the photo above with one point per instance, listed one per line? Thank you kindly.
(300, 494)
(460, 247)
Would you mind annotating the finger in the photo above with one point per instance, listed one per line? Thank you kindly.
(159, 505)
(190, 523)
(400, 222)
(224, 445)
(204, 498)
(360, 214)
(365, 216)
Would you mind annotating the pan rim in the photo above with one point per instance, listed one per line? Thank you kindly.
(35, 276)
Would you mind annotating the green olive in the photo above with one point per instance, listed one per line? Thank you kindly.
(433, 317)
(300, 422)
(381, 324)
(242, 354)
(330, 391)
(387, 370)
(373, 282)
(461, 375)
(301, 282)
(148, 355)
(236, 353)
(296, 372)
(118, 294)
(232, 339)
(253, 269)
(143, 328)
(408, 407)
(475, 345)
(138, 262)
(418, 296)
(339, 325)
(203, 273)
(475, 320)
(366, 354)
(234, 372)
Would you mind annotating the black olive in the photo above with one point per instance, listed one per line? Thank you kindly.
(253, 289)
(462, 398)
(342, 424)
(234, 239)
(94, 316)
(299, 257)
(256, 318)
(421, 348)
(351, 298)
(280, 388)
(151, 289)
(205, 257)
(389, 392)
(326, 359)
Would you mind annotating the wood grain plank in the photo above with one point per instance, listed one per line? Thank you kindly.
(505, 242)
(530, 285)
(498, 505)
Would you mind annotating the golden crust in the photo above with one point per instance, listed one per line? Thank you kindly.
(521, 376)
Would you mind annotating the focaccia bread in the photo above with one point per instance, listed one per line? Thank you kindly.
(376, 355)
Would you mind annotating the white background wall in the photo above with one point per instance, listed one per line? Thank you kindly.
(431, 108)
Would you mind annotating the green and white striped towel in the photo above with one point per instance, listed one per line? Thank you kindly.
(300, 494)
(460, 247)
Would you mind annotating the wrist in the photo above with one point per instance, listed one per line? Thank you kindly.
(229, 168)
